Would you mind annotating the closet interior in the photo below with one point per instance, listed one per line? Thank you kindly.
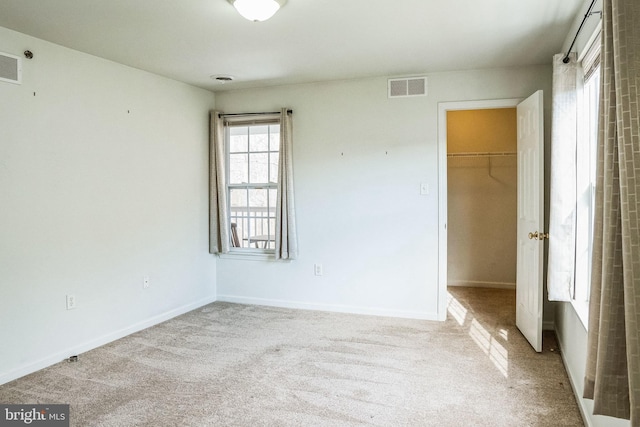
(482, 197)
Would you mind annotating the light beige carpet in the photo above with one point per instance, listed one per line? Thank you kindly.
(234, 365)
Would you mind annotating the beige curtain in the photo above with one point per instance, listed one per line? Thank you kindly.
(562, 212)
(286, 234)
(612, 376)
(218, 220)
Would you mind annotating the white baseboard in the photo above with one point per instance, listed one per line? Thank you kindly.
(480, 284)
(328, 307)
(31, 367)
(584, 411)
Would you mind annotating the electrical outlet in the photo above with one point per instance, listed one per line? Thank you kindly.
(146, 282)
(71, 302)
(317, 269)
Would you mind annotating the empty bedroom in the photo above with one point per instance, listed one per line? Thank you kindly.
(319, 213)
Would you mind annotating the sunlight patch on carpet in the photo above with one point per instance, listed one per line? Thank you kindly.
(456, 310)
(497, 353)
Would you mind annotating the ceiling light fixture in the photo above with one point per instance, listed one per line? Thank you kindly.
(257, 10)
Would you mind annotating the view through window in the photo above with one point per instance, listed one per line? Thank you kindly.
(253, 154)
(586, 181)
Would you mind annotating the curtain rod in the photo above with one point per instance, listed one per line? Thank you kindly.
(587, 15)
(252, 114)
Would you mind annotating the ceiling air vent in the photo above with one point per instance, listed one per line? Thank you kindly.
(408, 86)
(10, 68)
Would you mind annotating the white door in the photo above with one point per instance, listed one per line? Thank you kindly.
(530, 219)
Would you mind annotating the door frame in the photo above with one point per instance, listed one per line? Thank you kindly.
(443, 108)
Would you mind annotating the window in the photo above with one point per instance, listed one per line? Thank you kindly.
(252, 155)
(586, 176)
(251, 186)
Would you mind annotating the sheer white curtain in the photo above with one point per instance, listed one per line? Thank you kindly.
(286, 233)
(562, 209)
(219, 242)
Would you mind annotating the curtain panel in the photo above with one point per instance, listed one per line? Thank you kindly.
(612, 377)
(219, 242)
(563, 198)
(286, 232)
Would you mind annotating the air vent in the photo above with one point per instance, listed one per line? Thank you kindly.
(10, 68)
(408, 86)
(221, 78)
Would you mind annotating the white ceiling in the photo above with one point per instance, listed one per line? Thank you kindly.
(306, 41)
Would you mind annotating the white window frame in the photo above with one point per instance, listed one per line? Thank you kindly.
(249, 252)
(588, 103)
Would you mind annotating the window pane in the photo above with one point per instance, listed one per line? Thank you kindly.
(259, 168)
(274, 137)
(238, 201)
(238, 139)
(273, 167)
(239, 212)
(238, 168)
(259, 139)
(273, 197)
(258, 199)
(585, 175)
(260, 217)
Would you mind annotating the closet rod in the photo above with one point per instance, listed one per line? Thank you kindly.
(487, 154)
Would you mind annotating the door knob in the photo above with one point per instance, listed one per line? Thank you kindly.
(538, 236)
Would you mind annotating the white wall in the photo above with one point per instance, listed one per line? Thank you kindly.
(103, 180)
(571, 332)
(359, 161)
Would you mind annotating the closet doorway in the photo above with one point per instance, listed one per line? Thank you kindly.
(476, 254)
(529, 214)
(482, 197)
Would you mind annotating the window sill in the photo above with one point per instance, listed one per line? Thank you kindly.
(582, 310)
(249, 255)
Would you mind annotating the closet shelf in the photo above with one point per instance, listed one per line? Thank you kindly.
(487, 154)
